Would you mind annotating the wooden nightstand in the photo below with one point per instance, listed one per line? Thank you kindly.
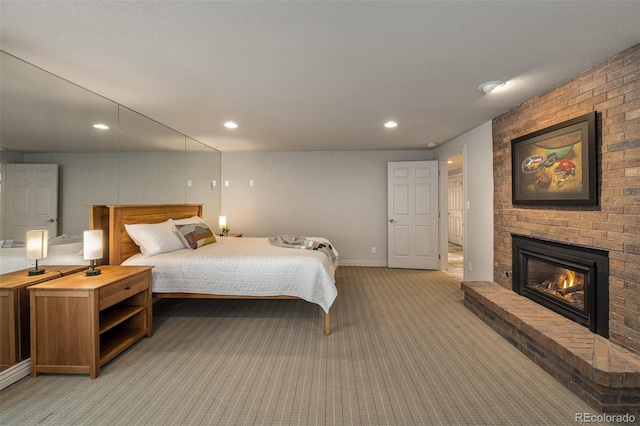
(233, 235)
(14, 309)
(79, 323)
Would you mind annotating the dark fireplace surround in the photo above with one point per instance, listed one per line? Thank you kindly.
(540, 268)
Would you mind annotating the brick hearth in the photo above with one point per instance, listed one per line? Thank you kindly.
(601, 372)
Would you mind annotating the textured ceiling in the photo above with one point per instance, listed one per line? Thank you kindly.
(318, 75)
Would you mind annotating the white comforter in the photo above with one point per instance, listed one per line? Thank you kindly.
(244, 267)
(67, 251)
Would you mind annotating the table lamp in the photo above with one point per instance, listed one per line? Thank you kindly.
(92, 249)
(37, 242)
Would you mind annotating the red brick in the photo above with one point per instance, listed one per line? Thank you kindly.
(624, 71)
(609, 87)
(631, 95)
(608, 103)
(590, 84)
(622, 107)
(632, 115)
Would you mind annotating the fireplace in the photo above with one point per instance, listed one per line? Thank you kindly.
(570, 280)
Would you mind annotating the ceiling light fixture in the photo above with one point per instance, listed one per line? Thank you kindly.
(101, 126)
(490, 86)
(230, 125)
(390, 124)
(431, 145)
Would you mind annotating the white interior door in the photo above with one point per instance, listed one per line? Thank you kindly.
(30, 192)
(412, 191)
(454, 210)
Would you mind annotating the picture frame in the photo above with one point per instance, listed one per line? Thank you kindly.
(556, 165)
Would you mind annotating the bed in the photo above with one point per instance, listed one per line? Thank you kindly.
(230, 268)
(62, 250)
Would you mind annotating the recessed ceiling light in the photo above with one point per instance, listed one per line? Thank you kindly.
(431, 145)
(490, 86)
(230, 125)
(101, 126)
(449, 162)
(390, 124)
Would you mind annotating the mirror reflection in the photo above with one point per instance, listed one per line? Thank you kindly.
(47, 129)
(41, 112)
(151, 161)
(203, 177)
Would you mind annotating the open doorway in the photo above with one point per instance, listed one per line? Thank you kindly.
(455, 216)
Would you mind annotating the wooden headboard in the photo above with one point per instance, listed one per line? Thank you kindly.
(121, 246)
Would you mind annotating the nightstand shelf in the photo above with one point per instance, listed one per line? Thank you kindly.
(114, 344)
(80, 323)
(117, 316)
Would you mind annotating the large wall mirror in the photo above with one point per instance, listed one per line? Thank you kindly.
(45, 119)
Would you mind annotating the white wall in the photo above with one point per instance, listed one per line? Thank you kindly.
(477, 148)
(341, 195)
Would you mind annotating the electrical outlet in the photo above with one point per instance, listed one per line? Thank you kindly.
(226, 183)
(250, 182)
(469, 266)
(213, 184)
(189, 183)
(373, 250)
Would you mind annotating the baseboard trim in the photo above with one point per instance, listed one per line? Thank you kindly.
(15, 373)
(365, 263)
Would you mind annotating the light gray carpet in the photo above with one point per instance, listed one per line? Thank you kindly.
(404, 351)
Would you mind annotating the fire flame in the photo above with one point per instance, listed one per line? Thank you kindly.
(570, 277)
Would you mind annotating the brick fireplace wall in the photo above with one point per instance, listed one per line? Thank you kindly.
(612, 89)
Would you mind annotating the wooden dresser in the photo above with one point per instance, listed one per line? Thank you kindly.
(14, 309)
(79, 323)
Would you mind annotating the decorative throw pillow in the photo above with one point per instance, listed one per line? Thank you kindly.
(196, 235)
(154, 238)
(188, 221)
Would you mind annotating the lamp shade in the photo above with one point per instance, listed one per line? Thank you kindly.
(92, 244)
(37, 242)
(223, 221)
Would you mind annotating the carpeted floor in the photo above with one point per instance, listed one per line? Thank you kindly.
(404, 351)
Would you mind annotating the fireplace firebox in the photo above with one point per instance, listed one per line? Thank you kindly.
(570, 280)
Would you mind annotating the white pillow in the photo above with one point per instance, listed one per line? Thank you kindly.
(188, 221)
(155, 238)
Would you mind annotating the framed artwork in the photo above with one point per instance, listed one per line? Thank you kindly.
(556, 165)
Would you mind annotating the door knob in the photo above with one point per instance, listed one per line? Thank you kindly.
(391, 220)
(50, 220)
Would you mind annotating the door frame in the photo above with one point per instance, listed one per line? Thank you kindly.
(444, 224)
(449, 178)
